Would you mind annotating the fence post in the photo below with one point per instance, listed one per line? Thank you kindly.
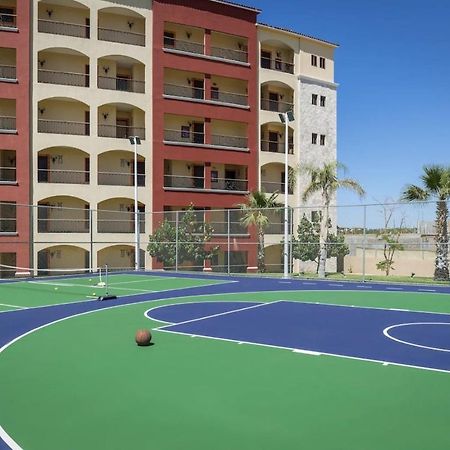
(228, 242)
(364, 245)
(91, 247)
(176, 241)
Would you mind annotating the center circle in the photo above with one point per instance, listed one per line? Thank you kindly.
(427, 335)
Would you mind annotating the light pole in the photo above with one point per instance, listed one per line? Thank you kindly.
(286, 118)
(136, 140)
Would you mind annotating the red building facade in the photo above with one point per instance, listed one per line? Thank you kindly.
(15, 235)
(205, 112)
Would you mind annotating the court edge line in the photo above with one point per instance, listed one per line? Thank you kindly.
(183, 303)
(387, 329)
(13, 306)
(134, 295)
(304, 351)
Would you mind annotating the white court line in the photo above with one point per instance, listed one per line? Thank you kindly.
(13, 306)
(387, 329)
(309, 282)
(394, 289)
(427, 290)
(335, 285)
(220, 314)
(364, 287)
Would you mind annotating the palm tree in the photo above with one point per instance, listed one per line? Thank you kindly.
(325, 181)
(436, 184)
(255, 213)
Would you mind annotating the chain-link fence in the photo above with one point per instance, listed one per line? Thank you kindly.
(358, 241)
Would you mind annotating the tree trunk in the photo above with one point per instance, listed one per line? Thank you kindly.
(323, 240)
(441, 264)
(261, 263)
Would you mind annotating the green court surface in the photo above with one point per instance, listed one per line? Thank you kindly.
(82, 383)
(42, 291)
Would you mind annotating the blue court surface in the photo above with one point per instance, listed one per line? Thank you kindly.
(407, 338)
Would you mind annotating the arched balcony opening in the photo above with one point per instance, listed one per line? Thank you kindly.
(116, 215)
(62, 259)
(277, 97)
(68, 18)
(121, 25)
(273, 178)
(63, 66)
(116, 168)
(65, 165)
(273, 138)
(121, 120)
(119, 257)
(121, 73)
(276, 55)
(61, 115)
(63, 214)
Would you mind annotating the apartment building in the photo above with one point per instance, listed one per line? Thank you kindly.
(15, 177)
(199, 82)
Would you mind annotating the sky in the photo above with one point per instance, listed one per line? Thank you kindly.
(393, 71)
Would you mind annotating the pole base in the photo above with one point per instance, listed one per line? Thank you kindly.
(107, 297)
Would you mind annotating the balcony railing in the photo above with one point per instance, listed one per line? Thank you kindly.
(184, 91)
(273, 186)
(120, 131)
(191, 137)
(229, 141)
(8, 225)
(229, 97)
(8, 20)
(8, 72)
(120, 179)
(119, 222)
(64, 78)
(276, 147)
(277, 64)
(184, 46)
(229, 184)
(63, 28)
(7, 123)
(229, 53)
(7, 174)
(63, 176)
(221, 228)
(121, 84)
(276, 105)
(184, 182)
(53, 219)
(122, 37)
(63, 127)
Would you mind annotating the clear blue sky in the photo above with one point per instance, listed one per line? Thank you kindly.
(393, 68)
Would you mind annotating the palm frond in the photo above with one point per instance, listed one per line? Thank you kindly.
(414, 193)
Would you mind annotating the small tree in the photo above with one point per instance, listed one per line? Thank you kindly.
(307, 246)
(189, 245)
(391, 238)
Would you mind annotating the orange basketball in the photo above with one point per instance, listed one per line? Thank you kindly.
(143, 337)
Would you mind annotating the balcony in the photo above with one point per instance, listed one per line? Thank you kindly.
(277, 64)
(8, 73)
(116, 168)
(273, 138)
(121, 84)
(275, 186)
(7, 125)
(64, 28)
(125, 27)
(191, 182)
(63, 78)
(268, 104)
(184, 137)
(229, 47)
(184, 46)
(8, 20)
(63, 215)
(122, 37)
(63, 176)
(276, 146)
(120, 179)
(229, 141)
(117, 216)
(273, 178)
(181, 38)
(277, 56)
(120, 131)
(63, 127)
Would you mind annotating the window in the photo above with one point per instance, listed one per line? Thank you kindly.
(314, 60)
(322, 100)
(185, 132)
(169, 39)
(7, 217)
(322, 139)
(314, 99)
(7, 16)
(265, 59)
(314, 138)
(322, 63)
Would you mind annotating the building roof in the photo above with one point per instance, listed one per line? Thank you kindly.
(238, 5)
(287, 30)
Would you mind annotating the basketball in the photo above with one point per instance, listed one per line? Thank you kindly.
(143, 337)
